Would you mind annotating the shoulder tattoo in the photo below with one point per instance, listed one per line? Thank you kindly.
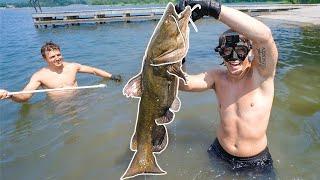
(262, 56)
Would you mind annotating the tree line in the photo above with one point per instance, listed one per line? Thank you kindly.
(50, 3)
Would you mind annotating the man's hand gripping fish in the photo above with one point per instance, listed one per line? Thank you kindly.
(157, 87)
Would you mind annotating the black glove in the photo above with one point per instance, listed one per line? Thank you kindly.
(208, 8)
(116, 78)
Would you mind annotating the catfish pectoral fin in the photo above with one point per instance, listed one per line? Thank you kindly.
(166, 118)
(173, 69)
(134, 87)
(143, 166)
(175, 106)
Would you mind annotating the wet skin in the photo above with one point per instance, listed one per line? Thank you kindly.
(244, 90)
(57, 74)
(244, 109)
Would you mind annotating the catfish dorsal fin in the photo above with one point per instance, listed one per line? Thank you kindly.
(134, 87)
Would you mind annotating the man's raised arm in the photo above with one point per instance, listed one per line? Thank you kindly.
(264, 49)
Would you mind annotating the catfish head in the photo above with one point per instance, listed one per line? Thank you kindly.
(170, 40)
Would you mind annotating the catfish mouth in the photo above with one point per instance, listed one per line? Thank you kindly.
(172, 12)
(175, 14)
(181, 21)
(175, 31)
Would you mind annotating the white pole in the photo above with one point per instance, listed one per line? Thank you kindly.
(57, 89)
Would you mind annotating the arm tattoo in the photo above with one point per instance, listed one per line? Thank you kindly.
(262, 57)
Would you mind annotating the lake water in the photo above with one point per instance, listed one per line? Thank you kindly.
(88, 136)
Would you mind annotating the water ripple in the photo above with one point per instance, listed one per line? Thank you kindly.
(100, 121)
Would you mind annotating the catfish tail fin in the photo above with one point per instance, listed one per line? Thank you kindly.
(142, 164)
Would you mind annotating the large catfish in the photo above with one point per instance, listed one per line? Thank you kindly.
(157, 87)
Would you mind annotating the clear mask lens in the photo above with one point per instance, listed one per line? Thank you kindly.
(227, 51)
(241, 51)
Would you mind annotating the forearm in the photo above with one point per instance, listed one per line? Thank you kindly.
(190, 86)
(182, 86)
(101, 73)
(33, 84)
(196, 83)
(245, 24)
(21, 97)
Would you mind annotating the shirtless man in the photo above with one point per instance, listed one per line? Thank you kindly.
(244, 89)
(57, 74)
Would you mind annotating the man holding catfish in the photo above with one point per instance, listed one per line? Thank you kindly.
(245, 89)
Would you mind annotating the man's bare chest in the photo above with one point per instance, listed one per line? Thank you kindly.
(243, 100)
(58, 80)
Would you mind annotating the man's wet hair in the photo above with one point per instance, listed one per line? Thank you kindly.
(48, 46)
(232, 32)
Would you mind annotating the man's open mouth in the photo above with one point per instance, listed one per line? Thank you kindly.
(58, 61)
(234, 63)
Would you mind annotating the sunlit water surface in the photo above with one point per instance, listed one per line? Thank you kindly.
(87, 137)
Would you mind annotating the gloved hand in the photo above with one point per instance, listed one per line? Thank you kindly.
(116, 78)
(208, 8)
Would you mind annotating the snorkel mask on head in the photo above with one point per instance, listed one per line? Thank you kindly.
(232, 47)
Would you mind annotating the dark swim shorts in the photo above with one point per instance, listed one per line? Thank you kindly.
(260, 165)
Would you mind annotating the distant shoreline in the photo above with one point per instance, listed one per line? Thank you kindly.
(24, 5)
(27, 4)
(309, 15)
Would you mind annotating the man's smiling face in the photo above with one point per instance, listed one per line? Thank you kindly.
(236, 67)
(54, 58)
